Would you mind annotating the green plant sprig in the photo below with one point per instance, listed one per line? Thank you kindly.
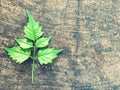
(35, 43)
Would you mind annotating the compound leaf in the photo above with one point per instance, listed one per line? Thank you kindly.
(24, 43)
(46, 56)
(42, 42)
(18, 54)
(32, 43)
(32, 30)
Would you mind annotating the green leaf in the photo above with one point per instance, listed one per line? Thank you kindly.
(46, 56)
(32, 43)
(32, 30)
(18, 54)
(24, 43)
(42, 42)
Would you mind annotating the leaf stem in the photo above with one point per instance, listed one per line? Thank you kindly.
(33, 72)
(34, 57)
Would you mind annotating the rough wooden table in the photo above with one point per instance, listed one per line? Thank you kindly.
(87, 30)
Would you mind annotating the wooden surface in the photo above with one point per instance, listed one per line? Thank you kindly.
(87, 30)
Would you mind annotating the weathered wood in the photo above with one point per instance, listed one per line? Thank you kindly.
(87, 30)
